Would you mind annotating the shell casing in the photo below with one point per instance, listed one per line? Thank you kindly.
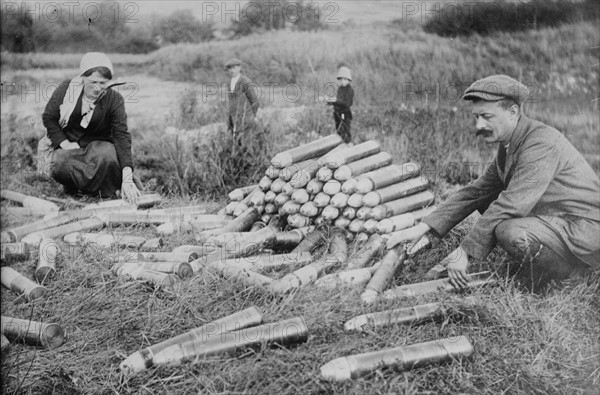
(20, 284)
(298, 220)
(48, 256)
(322, 199)
(47, 335)
(385, 176)
(356, 225)
(374, 247)
(349, 186)
(310, 150)
(351, 154)
(277, 185)
(330, 213)
(355, 200)
(332, 187)
(363, 213)
(311, 242)
(239, 194)
(270, 196)
(339, 200)
(390, 264)
(349, 212)
(324, 174)
(300, 196)
(284, 332)
(370, 226)
(290, 171)
(400, 358)
(395, 191)
(401, 316)
(17, 233)
(168, 256)
(92, 223)
(309, 209)
(475, 280)
(314, 186)
(361, 166)
(265, 184)
(144, 359)
(402, 205)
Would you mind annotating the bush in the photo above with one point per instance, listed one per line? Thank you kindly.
(487, 17)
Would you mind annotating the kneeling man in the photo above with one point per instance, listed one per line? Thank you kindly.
(539, 199)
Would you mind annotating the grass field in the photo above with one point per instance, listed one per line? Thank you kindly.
(524, 343)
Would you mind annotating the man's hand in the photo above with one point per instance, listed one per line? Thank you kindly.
(67, 145)
(457, 263)
(129, 190)
(408, 236)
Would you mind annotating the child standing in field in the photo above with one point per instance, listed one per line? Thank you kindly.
(342, 115)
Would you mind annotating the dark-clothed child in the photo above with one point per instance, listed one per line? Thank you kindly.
(342, 115)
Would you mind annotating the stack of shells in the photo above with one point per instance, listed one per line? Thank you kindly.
(356, 188)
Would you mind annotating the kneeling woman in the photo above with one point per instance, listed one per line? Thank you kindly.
(87, 126)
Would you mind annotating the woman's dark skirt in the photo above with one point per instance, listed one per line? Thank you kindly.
(93, 170)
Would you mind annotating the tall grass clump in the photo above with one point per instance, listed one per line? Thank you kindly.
(484, 18)
(201, 156)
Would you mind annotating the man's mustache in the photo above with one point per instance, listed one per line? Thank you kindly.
(479, 132)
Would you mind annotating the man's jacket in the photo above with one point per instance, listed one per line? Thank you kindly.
(543, 175)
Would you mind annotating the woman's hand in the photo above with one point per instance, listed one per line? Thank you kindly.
(457, 263)
(129, 190)
(67, 145)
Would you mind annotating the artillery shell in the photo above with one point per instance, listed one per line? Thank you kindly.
(314, 186)
(168, 256)
(46, 267)
(283, 333)
(399, 358)
(342, 222)
(356, 225)
(300, 196)
(339, 200)
(339, 158)
(324, 174)
(332, 187)
(402, 205)
(272, 172)
(270, 196)
(372, 249)
(322, 199)
(290, 171)
(144, 359)
(349, 186)
(385, 176)
(281, 199)
(370, 226)
(361, 166)
(277, 185)
(34, 239)
(395, 191)
(349, 212)
(390, 264)
(309, 209)
(239, 194)
(363, 213)
(265, 184)
(355, 200)
(20, 284)
(298, 220)
(330, 213)
(289, 208)
(36, 333)
(306, 151)
(410, 290)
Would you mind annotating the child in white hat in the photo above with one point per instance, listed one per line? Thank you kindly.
(342, 115)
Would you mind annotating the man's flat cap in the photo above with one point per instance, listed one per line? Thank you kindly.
(233, 62)
(497, 87)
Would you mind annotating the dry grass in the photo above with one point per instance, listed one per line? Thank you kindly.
(524, 343)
